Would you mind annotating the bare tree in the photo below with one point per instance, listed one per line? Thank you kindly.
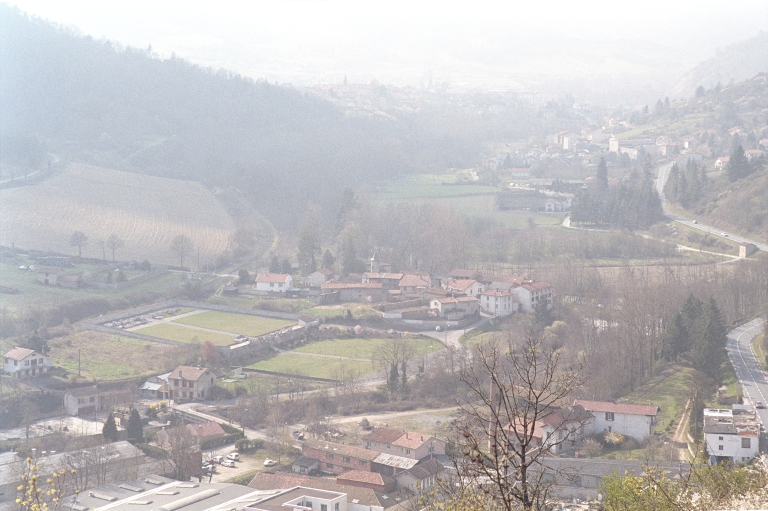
(393, 355)
(511, 388)
(79, 240)
(181, 246)
(115, 243)
(179, 443)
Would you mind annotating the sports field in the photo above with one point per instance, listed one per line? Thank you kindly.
(235, 323)
(318, 367)
(181, 333)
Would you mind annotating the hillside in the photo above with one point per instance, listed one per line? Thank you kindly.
(98, 103)
(145, 211)
(736, 62)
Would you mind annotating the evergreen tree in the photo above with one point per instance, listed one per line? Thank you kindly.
(110, 428)
(709, 348)
(738, 166)
(602, 173)
(328, 259)
(135, 429)
(676, 341)
(287, 266)
(274, 265)
(543, 314)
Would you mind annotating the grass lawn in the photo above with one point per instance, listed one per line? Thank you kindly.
(181, 333)
(757, 345)
(364, 348)
(430, 185)
(235, 323)
(332, 311)
(318, 367)
(108, 357)
(669, 391)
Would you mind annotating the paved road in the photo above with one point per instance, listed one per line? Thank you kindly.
(661, 180)
(749, 372)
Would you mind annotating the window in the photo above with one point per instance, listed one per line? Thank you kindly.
(746, 443)
(388, 447)
(329, 455)
(609, 416)
(93, 399)
(329, 465)
(323, 507)
(720, 438)
(346, 459)
(719, 447)
(362, 463)
(367, 445)
(336, 507)
(407, 451)
(308, 503)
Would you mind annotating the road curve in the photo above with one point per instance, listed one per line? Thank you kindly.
(750, 373)
(661, 180)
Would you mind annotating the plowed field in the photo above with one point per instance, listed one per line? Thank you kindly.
(147, 212)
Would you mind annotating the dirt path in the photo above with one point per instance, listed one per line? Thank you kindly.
(681, 436)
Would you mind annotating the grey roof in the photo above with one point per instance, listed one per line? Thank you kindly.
(391, 460)
(83, 391)
(731, 422)
(426, 469)
(166, 495)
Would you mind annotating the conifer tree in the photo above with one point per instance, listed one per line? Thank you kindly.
(110, 428)
(135, 429)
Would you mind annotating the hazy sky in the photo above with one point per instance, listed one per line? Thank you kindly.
(510, 44)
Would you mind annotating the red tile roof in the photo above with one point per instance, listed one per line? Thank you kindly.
(359, 476)
(272, 277)
(206, 429)
(410, 280)
(461, 284)
(341, 449)
(18, 353)
(385, 276)
(496, 292)
(188, 373)
(383, 435)
(460, 273)
(605, 406)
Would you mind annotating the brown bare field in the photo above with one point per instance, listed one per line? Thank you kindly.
(145, 211)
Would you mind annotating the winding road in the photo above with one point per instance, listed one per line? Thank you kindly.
(661, 180)
(748, 370)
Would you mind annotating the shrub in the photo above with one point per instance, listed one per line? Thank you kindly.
(591, 448)
(151, 451)
(243, 444)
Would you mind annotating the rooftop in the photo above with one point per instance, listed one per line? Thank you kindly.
(341, 449)
(361, 476)
(731, 422)
(605, 406)
(18, 353)
(272, 277)
(187, 373)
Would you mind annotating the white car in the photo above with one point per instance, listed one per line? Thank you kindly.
(269, 463)
(233, 456)
(228, 463)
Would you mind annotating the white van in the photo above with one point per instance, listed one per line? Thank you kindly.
(233, 456)
(218, 459)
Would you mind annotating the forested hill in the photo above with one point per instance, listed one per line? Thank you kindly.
(94, 102)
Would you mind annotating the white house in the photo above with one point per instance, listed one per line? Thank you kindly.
(498, 303)
(454, 308)
(531, 293)
(558, 431)
(82, 400)
(317, 278)
(722, 162)
(466, 287)
(188, 382)
(731, 435)
(25, 363)
(636, 421)
(273, 282)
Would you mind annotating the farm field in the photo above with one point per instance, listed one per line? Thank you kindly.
(235, 323)
(318, 367)
(363, 348)
(181, 333)
(147, 212)
(107, 357)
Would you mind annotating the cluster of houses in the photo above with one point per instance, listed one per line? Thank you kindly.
(386, 460)
(459, 294)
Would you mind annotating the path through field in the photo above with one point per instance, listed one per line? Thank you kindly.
(145, 211)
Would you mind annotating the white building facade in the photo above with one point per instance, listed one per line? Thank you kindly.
(25, 363)
(635, 421)
(731, 435)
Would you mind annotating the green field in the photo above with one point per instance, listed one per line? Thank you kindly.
(107, 357)
(364, 348)
(318, 367)
(431, 186)
(235, 323)
(181, 333)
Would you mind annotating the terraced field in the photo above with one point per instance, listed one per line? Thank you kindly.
(145, 211)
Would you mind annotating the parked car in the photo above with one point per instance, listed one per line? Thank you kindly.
(724, 234)
(298, 435)
(209, 468)
(695, 222)
(759, 404)
(233, 456)
(269, 463)
(228, 463)
(218, 459)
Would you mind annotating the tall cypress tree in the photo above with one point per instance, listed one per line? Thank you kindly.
(110, 428)
(135, 429)
(709, 348)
